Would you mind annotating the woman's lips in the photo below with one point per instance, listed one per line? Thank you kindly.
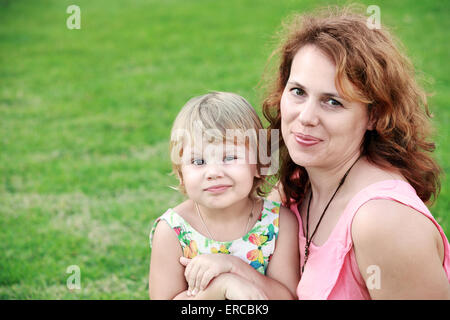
(306, 140)
(217, 189)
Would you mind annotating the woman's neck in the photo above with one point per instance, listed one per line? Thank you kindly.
(324, 181)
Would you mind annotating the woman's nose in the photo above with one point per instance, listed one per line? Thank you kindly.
(308, 115)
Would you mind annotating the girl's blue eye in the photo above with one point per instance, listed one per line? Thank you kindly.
(198, 162)
(230, 158)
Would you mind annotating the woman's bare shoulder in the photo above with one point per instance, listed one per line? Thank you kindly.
(367, 173)
(387, 221)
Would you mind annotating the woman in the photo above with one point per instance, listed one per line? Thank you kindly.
(355, 163)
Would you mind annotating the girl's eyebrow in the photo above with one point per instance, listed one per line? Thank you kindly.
(298, 85)
(197, 155)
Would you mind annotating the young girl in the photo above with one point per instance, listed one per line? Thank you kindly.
(218, 243)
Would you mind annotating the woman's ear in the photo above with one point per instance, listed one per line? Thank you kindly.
(372, 122)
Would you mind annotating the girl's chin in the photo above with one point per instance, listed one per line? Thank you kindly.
(220, 202)
(215, 202)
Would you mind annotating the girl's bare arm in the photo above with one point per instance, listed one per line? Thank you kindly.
(166, 277)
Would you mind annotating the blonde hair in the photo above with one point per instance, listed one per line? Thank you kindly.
(213, 116)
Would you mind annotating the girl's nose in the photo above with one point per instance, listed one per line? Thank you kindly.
(214, 171)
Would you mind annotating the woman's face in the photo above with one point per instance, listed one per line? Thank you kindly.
(319, 127)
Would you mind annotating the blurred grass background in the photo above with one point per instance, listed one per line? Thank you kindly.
(85, 117)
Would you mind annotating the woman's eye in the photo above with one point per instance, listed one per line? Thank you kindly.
(297, 91)
(198, 162)
(333, 102)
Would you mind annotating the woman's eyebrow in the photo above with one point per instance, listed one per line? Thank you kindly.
(296, 84)
(333, 94)
(328, 94)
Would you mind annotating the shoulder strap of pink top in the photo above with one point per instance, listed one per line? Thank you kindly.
(396, 190)
(328, 260)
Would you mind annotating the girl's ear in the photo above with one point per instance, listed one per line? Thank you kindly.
(177, 173)
(181, 187)
(180, 178)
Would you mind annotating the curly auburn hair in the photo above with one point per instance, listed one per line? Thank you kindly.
(369, 69)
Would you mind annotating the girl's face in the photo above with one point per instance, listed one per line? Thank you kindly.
(319, 127)
(218, 175)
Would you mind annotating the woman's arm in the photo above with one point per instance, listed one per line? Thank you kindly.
(227, 286)
(285, 263)
(399, 252)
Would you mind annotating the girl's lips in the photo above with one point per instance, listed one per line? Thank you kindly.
(217, 189)
(306, 140)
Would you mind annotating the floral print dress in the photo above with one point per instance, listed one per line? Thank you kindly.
(256, 247)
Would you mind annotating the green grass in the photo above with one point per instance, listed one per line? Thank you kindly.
(85, 117)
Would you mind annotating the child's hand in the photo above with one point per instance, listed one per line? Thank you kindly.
(203, 268)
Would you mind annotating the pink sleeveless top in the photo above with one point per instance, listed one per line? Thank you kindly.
(332, 271)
